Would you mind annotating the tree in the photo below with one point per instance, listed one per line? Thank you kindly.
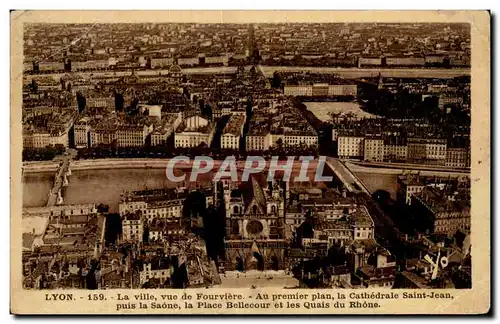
(253, 71)
(279, 144)
(34, 85)
(119, 101)
(59, 148)
(90, 277)
(102, 208)
(256, 55)
(133, 107)
(276, 81)
(180, 277)
(113, 228)
(214, 231)
(194, 205)
(241, 70)
(82, 102)
(145, 234)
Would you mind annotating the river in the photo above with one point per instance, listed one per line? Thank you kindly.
(36, 188)
(93, 186)
(106, 185)
(269, 70)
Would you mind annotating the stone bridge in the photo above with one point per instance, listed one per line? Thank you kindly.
(60, 180)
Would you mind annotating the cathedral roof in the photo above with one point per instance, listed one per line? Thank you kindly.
(254, 193)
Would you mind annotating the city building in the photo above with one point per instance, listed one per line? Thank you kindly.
(82, 132)
(42, 139)
(320, 90)
(298, 90)
(162, 133)
(336, 221)
(458, 157)
(395, 150)
(132, 227)
(194, 131)
(161, 62)
(350, 146)
(233, 132)
(255, 226)
(405, 61)
(40, 131)
(372, 265)
(132, 135)
(427, 150)
(408, 185)
(157, 268)
(374, 149)
(257, 140)
(154, 204)
(443, 211)
(369, 61)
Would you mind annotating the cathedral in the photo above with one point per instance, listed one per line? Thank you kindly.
(255, 225)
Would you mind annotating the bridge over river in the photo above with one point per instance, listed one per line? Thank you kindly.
(349, 179)
(60, 180)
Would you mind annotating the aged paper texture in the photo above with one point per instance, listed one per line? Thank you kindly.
(250, 162)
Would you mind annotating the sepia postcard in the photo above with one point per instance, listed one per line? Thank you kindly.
(250, 162)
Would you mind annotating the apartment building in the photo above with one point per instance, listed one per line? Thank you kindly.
(82, 131)
(102, 135)
(458, 157)
(188, 61)
(132, 227)
(442, 211)
(321, 90)
(233, 132)
(169, 122)
(223, 59)
(161, 62)
(374, 149)
(347, 224)
(395, 152)
(61, 212)
(298, 90)
(157, 268)
(297, 138)
(350, 146)
(43, 138)
(100, 101)
(428, 150)
(258, 141)
(405, 61)
(409, 185)
(132, 135)
(51, 129)
(47, 66)
(369, 61)
(342, 90)
(165, 204)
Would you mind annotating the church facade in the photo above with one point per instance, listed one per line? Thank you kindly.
(255, 226)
